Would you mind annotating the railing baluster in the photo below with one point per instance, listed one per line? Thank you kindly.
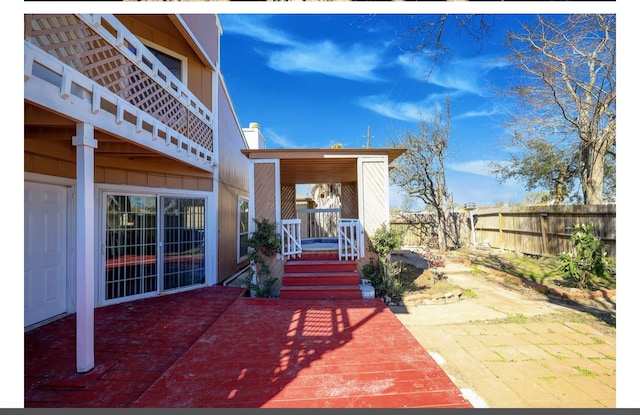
(290, 238)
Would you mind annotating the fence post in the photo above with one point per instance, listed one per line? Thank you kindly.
(543, 230)
(501, 228)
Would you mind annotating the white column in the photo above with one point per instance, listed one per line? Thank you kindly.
(85, 267)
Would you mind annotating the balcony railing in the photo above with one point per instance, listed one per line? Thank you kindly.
(94, 58)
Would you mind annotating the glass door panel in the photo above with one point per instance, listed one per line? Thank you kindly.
(131, 246)
(183, 221)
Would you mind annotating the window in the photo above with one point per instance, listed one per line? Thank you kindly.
(171, 61)
(243, 227)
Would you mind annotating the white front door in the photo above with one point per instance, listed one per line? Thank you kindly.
(45, 251)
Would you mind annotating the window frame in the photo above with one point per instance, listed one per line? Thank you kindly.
(241, 199)
(183, 59)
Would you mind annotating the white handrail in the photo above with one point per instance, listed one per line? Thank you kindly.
(350, 240)
(291, 238)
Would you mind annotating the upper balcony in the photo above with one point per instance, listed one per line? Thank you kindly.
(91, 69)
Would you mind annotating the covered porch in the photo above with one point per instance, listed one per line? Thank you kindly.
(363, 176)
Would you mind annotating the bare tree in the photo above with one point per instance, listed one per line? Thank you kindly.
(567, 94)
(420, 170)
(431, 34)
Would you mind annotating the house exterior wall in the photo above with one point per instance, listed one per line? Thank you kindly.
(373, 199)
(233, 182)
(201, 27)
(47, 153)
(375, 193)
(265, 191)
(122, 165)
(349, 199)
(288, 201)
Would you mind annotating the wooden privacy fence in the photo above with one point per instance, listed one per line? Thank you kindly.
(534, 230)
(543, 230)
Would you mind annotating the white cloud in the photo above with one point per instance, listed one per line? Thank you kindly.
(472, 114)
(465, 75)
(479, 167)
(325, 57)
(255, 26)
(275, 140)
(403, 111)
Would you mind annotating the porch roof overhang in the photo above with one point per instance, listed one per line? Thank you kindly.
(326, 165)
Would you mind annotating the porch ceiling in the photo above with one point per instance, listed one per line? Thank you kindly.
(303, 166)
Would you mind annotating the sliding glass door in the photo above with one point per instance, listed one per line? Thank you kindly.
(147, 252)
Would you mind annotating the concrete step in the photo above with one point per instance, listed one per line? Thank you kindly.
(299, 266)
(318, 256)
(320, 292)
(320, 278)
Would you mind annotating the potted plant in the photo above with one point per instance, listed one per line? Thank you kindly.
(263, 244)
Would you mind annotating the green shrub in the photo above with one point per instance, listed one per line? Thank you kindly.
(382, 273)
(374, 273)
(385, 240)
(588, 262)
(263, 244)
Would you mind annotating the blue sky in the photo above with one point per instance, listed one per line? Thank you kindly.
(312, 80)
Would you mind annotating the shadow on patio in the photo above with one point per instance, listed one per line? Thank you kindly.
(215, 348)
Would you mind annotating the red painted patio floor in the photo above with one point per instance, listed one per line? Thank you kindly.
(214, 348)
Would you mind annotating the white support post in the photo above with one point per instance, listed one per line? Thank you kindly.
(85, 265)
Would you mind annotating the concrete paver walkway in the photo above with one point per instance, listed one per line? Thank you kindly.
(531, 358)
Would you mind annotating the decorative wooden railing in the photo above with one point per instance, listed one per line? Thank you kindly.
(350, 240)
(291, 238)
(127, 80)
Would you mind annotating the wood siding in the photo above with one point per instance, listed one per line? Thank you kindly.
(349, 199)
(56, 157)
(288, 202)
(233, 181)
(202, 26)
(374, 186)
(265, 191)
(234, 166)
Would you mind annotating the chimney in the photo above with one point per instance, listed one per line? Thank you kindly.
(254, 138)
